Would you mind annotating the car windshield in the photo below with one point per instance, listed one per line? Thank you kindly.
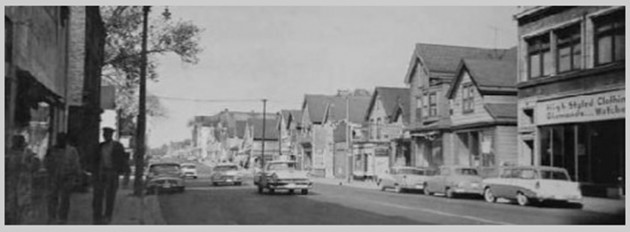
(225, 168)
(164, 168)
(466, 171)
(281, 166)
(553, 175)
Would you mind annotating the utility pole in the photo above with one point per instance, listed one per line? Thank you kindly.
(348, 137)
(141, 127)
(262, 155)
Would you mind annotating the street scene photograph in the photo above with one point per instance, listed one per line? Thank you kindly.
(314, 115)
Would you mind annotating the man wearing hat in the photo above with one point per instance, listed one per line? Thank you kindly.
(107, 166)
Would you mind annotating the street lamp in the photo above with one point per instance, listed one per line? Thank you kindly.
(141, 127)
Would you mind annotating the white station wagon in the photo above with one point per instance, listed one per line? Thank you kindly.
(532, 184)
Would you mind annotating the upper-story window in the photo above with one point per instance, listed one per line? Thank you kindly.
(468, 98)
(378, 128)
(432, 104)
(8, 40)
(425, 105)
(539, 56)
(610, 36)
(569, 49)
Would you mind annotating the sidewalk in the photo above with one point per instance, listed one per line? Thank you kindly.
(129, 210)
(594, 204)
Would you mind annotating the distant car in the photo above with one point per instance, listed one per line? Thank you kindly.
(282, 175)
(405, 178)
(189, 170)
(455, 180)
(532, 184)
(226, 174)
(165, 177)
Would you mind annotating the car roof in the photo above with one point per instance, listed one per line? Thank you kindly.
(457, 166)
(537, 167)
(281, 161)
(410, 167)
(164, 164)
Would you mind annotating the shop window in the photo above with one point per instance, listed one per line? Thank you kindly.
(610, 36)
(539, 56)
(468, 98)
(569, 50)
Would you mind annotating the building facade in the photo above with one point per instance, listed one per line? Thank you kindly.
(482, 101)
(429, 75)
(571, 89)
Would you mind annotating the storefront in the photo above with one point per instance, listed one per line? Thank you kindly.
(586, 135)
(370, 159)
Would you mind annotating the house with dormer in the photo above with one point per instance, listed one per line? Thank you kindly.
(431, 70)
(483, 113)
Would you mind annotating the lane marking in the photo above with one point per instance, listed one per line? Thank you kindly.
(437, 212)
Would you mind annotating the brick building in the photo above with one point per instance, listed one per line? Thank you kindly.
(53, 57)
(571, 90)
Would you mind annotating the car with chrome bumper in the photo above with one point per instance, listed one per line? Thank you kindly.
(405, 178)
(533, 184)
(164, 177)
(226, 174)
(455, 180)
(282, 175)
(189, 170)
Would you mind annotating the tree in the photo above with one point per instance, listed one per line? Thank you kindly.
(123, 53)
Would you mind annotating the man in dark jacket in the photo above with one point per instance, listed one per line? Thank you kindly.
(106, 166)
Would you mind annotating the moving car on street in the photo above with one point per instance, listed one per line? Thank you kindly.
(532, 184)
(282, 175)
(189, 170)
(164, 177)
(405, 178)
(226, 173)
(455, 180)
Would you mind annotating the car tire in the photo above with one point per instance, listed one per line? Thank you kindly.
(194, 177)
(181, 189)
(215, 184)
(304, 191)
(291, 191)
(383, 188)
(489, 196)
(521, 199)
(238, 183)
(272, 191)
(449, 193)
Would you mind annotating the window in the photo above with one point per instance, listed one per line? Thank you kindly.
(425, 105)
(468, 98)
(539, 56)
(610, 36)
(378, 128)
(432, 104)
(569, 49)
(8, 40)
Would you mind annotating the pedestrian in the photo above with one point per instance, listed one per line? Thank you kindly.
(64, 168)
(107, 167)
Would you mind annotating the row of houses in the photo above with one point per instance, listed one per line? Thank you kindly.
(555, 99)
(53, 60)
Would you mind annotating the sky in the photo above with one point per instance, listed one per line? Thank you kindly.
(283, 52)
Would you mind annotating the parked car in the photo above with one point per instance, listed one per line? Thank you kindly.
(282, 175)
(165, 177)
(455, 180)
(532, 184)
(226, 173)
(189, 170)
(405, 178)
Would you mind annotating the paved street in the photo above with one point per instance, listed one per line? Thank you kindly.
(327, 204)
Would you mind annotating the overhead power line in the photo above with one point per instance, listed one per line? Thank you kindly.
(225, 100)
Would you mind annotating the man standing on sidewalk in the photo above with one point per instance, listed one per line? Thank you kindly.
(63, 166)
(107, 166)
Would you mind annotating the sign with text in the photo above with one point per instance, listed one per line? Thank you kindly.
(603, 106)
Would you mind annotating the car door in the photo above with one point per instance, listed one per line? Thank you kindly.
(388, 179)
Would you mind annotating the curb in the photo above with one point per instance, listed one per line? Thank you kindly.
(152, 213)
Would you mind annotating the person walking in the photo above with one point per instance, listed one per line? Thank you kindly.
(107, 166)
(63, 167)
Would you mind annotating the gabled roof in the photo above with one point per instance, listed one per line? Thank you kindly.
(445, 59)
(404, 110)
(271, 132)
(391, 98)
(502, 112)
(316, 105)
(487, 75)
(336, 109)
(296, 115)
(288, 116)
